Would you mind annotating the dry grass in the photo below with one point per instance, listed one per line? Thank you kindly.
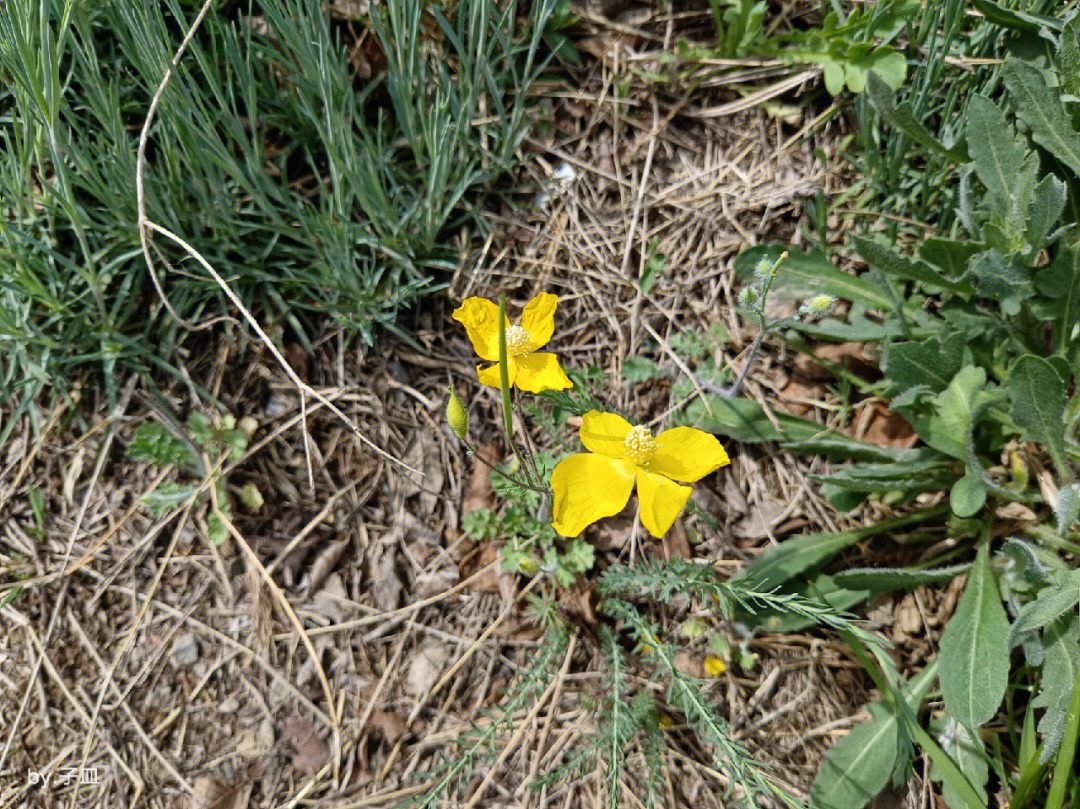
(173, 667)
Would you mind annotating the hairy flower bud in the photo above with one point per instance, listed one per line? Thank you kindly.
(748, 297)
(818, 305)
(456, 415)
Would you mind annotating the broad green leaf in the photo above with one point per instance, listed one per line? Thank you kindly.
(1004, 279)
(994, 146)
(886, 260)
(1037, 395)
(167, 497)
(931, 363)
(894, 578)
(791, 557)
(858, 767)
(804, 274)
(975, 649)
(1061, 663)
(1045, 211)
(1067, 508)
(968, 495)
(948, 255)
(1052, 603)
(901, 117)
(959, 408)
(1040, 108)
(1068, 57)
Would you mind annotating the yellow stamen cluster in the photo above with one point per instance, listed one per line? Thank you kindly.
(517, 341)
(640, 445)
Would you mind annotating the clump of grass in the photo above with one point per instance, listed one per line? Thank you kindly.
(318, 195)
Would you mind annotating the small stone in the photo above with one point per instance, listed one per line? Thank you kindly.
(185, 651)
(229, 705)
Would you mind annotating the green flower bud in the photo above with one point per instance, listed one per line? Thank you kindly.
(456, 415)
(251, 497)
(748, 297)
(818, 305)
(764, 269)
(528, 565)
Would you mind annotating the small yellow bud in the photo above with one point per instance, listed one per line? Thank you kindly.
(666, 722)
(528, 566)
(714, 666)
(456, 415)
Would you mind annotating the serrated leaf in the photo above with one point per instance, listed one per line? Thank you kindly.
(1052, 602)
(975, 649)
(930, 363)
(640, 369)
(997, 151)
(1037, 395)
(1040, 108)
(1067, 508)
(1061, 663)
(886, 260)
(804, 274)
(1068, 57)
(902, 117)
(858, 767)
(896, 578)
(1006, 280)
(948, 255)
(1047, 205)
(167, 497)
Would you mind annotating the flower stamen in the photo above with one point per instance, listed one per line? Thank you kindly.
(517, 341)
(640, 445)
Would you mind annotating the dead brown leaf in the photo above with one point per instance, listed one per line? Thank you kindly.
(310, 752)
(579, 603)
(324, 562)
(888, 429)
(390, 725)
(425, 667)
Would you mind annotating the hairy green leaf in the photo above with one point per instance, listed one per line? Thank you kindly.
(1037, 395)
(931, 363)
(974, 649)
(1006, 279)
(886, 260)
(893, 578)
(1040, 108)
(967, 751)
(1068, 57)
(998, 152)
(1052, 602)
(858, 767)
(1061, 664)
(948, 255)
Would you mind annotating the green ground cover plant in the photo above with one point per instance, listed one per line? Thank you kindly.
(979, 343)
(323, 197)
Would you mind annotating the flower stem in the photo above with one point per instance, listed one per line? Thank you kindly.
(516, 481)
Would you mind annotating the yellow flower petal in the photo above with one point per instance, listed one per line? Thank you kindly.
(686, 454)
(660, 500)
(480, 317)
(490, 376)
(537, 372)
(587, 488)
(538, 319)
(714, 666)
(604, 433)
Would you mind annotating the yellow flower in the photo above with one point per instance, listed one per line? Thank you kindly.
(529, 370)
(714, 666)
(596, 484)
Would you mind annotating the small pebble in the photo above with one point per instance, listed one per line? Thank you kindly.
(185, 651)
